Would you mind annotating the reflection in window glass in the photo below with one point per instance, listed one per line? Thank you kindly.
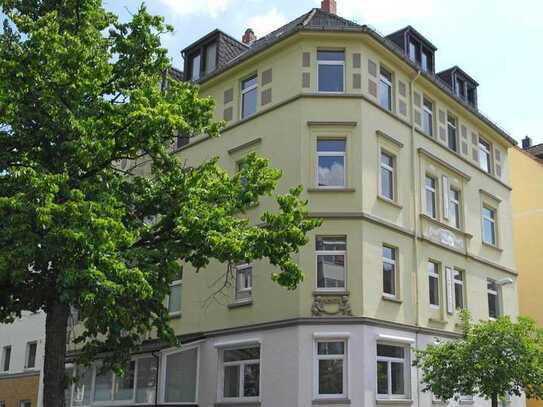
(331, 262)
(331, 163)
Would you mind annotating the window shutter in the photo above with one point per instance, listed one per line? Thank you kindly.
(445, 189)
(450, 290)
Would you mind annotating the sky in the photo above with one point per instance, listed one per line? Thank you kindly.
(497, 42)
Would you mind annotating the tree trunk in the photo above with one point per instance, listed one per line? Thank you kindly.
(56, 324)
(495, 401)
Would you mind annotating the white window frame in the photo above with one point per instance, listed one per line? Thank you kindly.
(241, 269)
(331, 253)
(493, 221)
(437, 275)
(430, 112)
(392, 170)
(406, 371)
(384, 81)
(332, 62)
(316, 357)
(162, 374)
(433, 191)
(455, 203)
(394, 264)
(113, 382)
(241, 364)
(331, 154)
(452, 122)
(459, 283)
(495, 293)
(27, 354)
(484, 147)
(176, 283)
(243, 92)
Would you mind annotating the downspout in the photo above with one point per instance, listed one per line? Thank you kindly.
(416, 193)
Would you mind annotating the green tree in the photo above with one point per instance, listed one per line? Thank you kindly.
(492, 360)
(78, 92)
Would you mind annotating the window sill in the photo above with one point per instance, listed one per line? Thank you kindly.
(493, 246)
(237, 403)
(393, 402)
(174, 315)
(336, 293)
(241, 303)
(437, 321)
(391, 299)
(445, 225)
(389, 201)
(341, 190)
(339, 400)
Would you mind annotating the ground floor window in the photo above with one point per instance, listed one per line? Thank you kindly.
(181, 376)
(241, 373)
(392, 371)
(331, 373)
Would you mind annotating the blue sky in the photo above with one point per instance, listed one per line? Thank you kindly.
(498, 42)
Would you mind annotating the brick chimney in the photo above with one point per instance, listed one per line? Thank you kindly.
(329, 6)
(526, 143)
(249, 37)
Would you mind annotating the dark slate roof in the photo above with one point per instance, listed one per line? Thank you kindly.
(409, 28)
(536, 150)
(447, 74)
(319, 20)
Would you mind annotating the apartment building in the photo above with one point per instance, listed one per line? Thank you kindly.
(413, 185)
(527, 200)
(21, 361)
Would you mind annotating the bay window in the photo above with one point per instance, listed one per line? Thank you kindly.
(331, 253)
(331, 163)
(181, 376)
(241, 373)
(331, 71)
(331, 372)
(392, 371)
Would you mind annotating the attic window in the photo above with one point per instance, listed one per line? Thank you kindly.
(420, 54)
(195, 62)
(211, 57)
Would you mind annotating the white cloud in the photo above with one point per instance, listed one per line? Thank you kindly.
(186, 7)
(265, 23)
(371, 12)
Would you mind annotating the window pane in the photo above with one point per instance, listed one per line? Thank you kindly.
(382, 377)
(330, 376)
(389, 285)
(385, 95)
(488, 230)
(195, 67)
(459, 296)
(234, 355)
(247, 83)
(82, 389)
(330, 243)
(174, 300)
(430, 204)
(330, 55)
(397, 377)
(387, 159)
(331, 145)
(251, 380)
(331, 271)
(7, 358)
(492, 305)
(390, 351)
(248, 103)
(387, 182)
(434, 290)
(145, 382)
(451, 134)
(331, 348)
(331, 171)
(31, 358)
(231, 381)
(103, 386)
(211, 57)
(124, 386)
(331, 78)
(389, 253)
(181, 374)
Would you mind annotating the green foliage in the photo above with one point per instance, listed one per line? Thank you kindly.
(493, 359)
(78, 92)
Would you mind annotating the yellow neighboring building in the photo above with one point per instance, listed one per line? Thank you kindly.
(527, 199)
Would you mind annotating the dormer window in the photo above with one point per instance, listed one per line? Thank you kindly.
(211, 57)
(426, 61)
(417, 48)
(195, 62)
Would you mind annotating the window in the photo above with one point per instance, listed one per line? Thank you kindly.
(331, 369)
(392, 371)
(174, 299)
(493, 299)
(385, 89)
(331, 71)
(433, 283)
(389, 271)
(181, 377)
(147, 368)
(426, 61)
(331, 163)
(25, 403)
(195, 67)
(244, 282)
(211, 57)
(458, 289)
(6, 358)
(241, 373)
(428, 121)
(331, 262)
(484, 155)
(489, 225)
(387, 175)
(430, 188)
(30, 361)
(110, 387)
(454, 208)
(82, 388)
(460, 88)
(248, 97)
(413, 51)
(451, 133)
